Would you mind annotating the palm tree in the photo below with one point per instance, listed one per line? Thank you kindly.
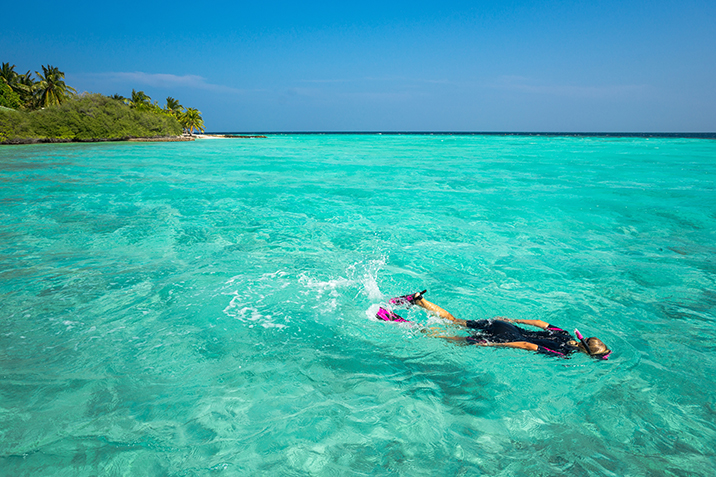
(8, 74)
(117, 97)
(21, 85)
(9, 96)
(191, 119)
(173, 107)
(139, 100)
(25, 86)
(51, 88)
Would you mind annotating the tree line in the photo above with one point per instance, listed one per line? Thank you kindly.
(23, 92)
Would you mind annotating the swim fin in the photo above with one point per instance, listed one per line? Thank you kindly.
(387, 315)
(407, 300)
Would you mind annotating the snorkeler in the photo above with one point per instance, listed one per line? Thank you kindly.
(501, 332)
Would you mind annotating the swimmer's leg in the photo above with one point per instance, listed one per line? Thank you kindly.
(423, 303)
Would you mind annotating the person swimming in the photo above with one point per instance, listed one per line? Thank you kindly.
(501, 331)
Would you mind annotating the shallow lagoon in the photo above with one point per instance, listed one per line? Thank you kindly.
(206, 307)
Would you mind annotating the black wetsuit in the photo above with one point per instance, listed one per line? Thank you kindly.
(551, 341)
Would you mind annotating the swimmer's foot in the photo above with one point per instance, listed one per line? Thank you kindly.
(407, 300)
(387, 315)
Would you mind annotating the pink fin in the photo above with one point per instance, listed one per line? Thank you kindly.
(387, 315)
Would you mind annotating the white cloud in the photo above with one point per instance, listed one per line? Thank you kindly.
(165, 80)
(386, 79)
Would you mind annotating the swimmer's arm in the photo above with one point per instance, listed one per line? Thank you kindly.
(512, 344)
(460, 340)
(536, 323)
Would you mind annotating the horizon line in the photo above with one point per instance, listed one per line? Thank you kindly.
(685, 135)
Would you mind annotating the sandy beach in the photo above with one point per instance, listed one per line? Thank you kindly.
(226, 136)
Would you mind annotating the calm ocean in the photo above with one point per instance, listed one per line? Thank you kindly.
(207, 308)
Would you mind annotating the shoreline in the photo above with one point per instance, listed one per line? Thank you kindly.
(183, 138)
(229, 136)
(160, 139)
(29, 141)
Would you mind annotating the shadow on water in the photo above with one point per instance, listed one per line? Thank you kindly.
(460, 391)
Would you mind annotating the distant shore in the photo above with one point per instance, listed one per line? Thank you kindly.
(184, 138)
(33, 140)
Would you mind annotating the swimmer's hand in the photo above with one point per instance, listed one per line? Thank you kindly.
(433, 332)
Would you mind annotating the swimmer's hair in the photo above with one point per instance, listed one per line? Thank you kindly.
(597, 347)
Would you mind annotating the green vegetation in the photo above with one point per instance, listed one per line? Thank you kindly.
(48, 110)
(9, 98)
(84, 117)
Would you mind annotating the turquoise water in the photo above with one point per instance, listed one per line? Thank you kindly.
(207, 308)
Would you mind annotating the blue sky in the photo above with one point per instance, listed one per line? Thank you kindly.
(606, 66)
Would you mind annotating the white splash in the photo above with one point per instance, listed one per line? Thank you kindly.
(265, 300)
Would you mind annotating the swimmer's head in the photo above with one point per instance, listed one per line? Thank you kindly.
(597, 348)
(592, 346)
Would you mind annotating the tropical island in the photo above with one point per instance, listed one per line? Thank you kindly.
(46, 109)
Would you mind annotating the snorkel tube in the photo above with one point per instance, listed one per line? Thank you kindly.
(586, 347)
(584, 342)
